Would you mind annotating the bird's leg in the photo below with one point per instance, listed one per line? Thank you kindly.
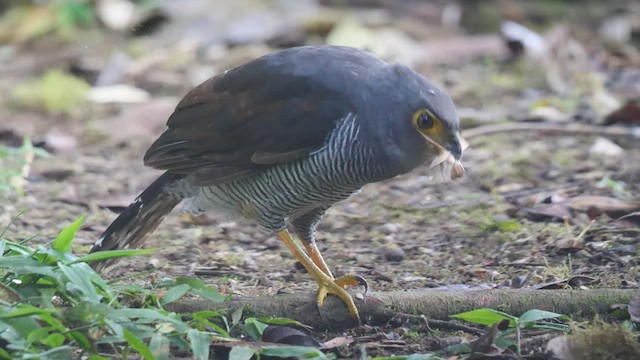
(317, 258)
(344, 281)
(326, 283)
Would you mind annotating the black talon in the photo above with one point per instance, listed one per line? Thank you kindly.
(362, 282)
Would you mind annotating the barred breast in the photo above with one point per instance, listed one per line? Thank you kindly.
(282, 193)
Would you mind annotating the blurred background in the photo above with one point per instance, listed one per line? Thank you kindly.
(548, 93)
(88, 85)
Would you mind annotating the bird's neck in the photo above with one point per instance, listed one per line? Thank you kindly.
(348, 159)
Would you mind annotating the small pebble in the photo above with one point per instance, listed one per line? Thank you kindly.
(390, 228)
(394, 253)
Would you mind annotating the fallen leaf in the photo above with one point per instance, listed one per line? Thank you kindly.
(337, 342)
(601, 205)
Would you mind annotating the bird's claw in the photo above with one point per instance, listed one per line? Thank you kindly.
(352, 280)
(336, 287)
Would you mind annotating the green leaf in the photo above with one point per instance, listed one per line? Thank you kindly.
(97, 357)
(254, 328)
(159, 347)
(54, 340)
(296, 352)
(175, 293)
(53, 322)
(38, 335)
(87, 311)
(241, 353)
(203, 318)
(37, 270)
(110, 254)
(82, 340)
(201, 289)
(282, 321)
(24, 310)
(536, 315)
(138, 345)
(237, 316)
(23, 325)
(421, 357)
(148, 314)
(16, 248)
(199, 344)
(15, 261)
(62, 352)
(485, 317)
(118, 330)
(78, 277)
(66, 236)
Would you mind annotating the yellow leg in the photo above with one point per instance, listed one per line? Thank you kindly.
(317, 258)
(347, 280)
(326, 283)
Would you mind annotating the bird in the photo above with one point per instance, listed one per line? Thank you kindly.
(282, 138)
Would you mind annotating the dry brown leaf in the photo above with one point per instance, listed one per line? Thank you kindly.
(601, 204)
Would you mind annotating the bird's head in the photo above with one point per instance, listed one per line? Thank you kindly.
(419, 123)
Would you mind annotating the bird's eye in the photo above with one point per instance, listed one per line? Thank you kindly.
(424, 119)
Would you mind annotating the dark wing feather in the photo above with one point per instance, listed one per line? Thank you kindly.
(272, 110)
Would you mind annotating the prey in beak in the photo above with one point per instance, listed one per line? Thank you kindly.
(449, 165)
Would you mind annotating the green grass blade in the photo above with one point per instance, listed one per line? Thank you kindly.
(241, 353)
(78, 277)
(485, 317)
(26, 310)
(536, 315)
(295, 352)
(65, 237)
(137, 345)
(62, 352)
(148, 314)
(110, 254)
(201, 289)
(18, 261)
(175, 293)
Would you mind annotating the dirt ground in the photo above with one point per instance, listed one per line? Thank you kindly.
(501, 223)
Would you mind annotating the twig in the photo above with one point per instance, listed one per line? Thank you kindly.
(578, 129)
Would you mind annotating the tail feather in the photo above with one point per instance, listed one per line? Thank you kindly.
(134, 225)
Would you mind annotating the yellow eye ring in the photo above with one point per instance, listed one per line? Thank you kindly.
(423, 119)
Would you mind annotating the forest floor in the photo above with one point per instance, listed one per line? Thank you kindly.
(544, 206)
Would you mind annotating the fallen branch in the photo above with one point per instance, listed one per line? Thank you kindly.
(574, 128)
(379, 308)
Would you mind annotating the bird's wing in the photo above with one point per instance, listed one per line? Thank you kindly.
(246, 119)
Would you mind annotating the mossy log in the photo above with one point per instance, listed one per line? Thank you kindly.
(378, 308)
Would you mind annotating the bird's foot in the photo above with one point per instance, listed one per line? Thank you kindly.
(327, 285)
(352, 280)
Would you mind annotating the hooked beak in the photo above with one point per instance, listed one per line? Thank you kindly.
(450, 154)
